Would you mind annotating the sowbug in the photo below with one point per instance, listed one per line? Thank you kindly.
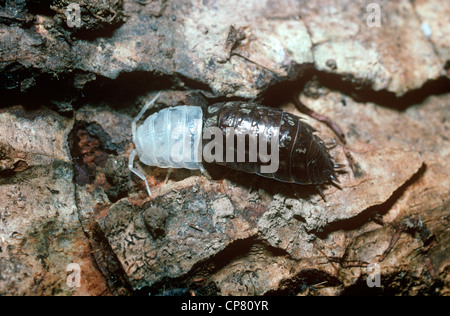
(172, 138)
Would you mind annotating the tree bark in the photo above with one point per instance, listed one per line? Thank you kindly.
(70, 90)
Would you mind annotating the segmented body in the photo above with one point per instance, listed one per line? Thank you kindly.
(172, 138)
(303, 157)
(167, 139)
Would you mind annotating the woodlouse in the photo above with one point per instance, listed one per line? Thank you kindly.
(172, 138)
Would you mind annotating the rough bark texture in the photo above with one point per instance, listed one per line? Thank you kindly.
(68, 98)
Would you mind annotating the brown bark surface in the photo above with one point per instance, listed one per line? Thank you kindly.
(68, 98)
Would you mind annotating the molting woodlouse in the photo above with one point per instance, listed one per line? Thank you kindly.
(172, 138)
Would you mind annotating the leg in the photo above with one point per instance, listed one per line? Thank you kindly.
(134, 152)
(137, 172)
(322, 195)
(204, 172)
(169, 171)
(138, 117)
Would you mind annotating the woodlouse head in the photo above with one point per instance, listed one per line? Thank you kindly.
(321, 167)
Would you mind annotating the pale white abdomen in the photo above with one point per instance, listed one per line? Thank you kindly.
(171, 138)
